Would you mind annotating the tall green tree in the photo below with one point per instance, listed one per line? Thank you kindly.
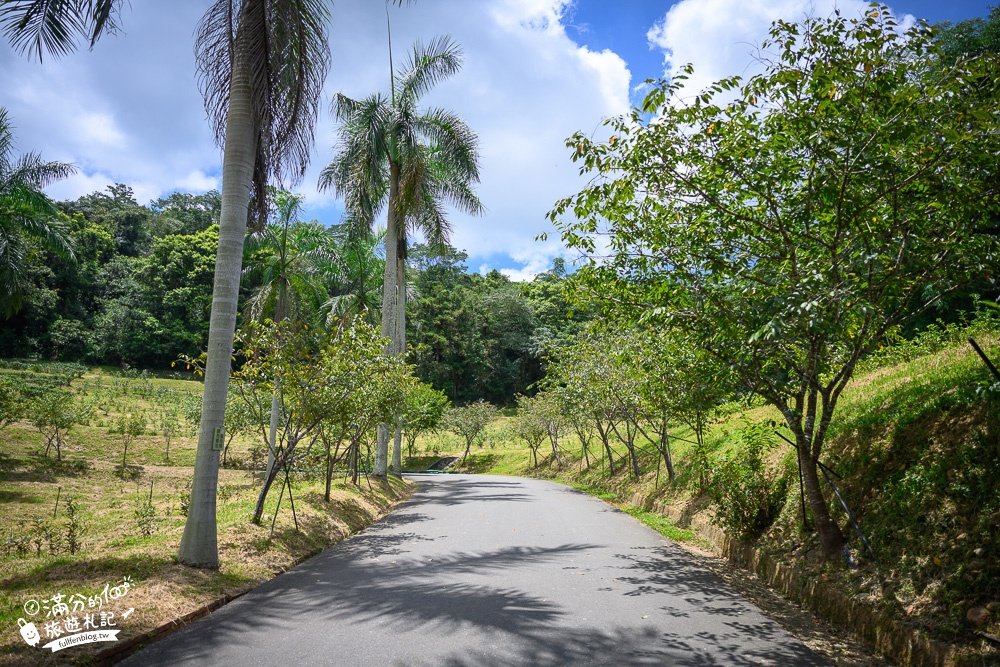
(412, 162)
(176, 280)
(119, 212)
(25, 212)
(184, 213)
(786, 223)
(973, 37)
(508, 327)
(446, 327)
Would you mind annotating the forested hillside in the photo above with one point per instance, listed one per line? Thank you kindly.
(137, 294)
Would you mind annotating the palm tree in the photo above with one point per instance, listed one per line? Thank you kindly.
(393, 154)
(355, 274)
(41, 26)
(287, 260)
(25, 212)
(261, 67)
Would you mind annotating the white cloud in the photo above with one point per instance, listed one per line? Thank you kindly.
(533, 260)
(99, 131)
(130, 110)
(720, 37)
(198, 181)
(82, 183)
(524, 88)
(77, 184)
(539, 15)
(612, 75)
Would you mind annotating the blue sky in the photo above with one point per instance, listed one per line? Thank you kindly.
(535, 72)
(621, 26)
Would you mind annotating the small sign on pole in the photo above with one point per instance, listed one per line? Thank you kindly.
(219, 439)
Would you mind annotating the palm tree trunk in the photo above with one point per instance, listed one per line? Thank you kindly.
(199, 543)
(400, 343)
(380, 467)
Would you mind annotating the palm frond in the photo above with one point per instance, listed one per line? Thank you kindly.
(426, 66)
(6, 142)
(453, 141)
(282, 47)
(13, 282)
(432, 220)
(31, 170)
(53, 26)
(359, 171)
(24, 209)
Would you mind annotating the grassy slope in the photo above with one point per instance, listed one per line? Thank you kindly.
(113, 542)
(919, 449)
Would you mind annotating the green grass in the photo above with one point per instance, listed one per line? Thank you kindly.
(657, 522)
(113, 543)
(662, 525)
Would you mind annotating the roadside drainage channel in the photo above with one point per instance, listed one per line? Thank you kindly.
(442, 464)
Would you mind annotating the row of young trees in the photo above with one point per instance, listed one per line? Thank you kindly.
(619, 387)
(782, 226)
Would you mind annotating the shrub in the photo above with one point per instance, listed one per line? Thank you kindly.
(17, 542)
(185, 499)
(145, 516)
(748, 496)
(75, 527)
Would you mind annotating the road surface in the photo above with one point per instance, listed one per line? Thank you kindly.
(493, 571)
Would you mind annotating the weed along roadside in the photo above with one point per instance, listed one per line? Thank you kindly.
(86, 541)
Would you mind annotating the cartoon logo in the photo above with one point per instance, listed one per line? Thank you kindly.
(29, 632)
(74, 620)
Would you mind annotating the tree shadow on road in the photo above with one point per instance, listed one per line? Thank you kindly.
(342, 588)
(461, 491)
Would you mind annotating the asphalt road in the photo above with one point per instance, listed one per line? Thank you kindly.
(496, 571)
